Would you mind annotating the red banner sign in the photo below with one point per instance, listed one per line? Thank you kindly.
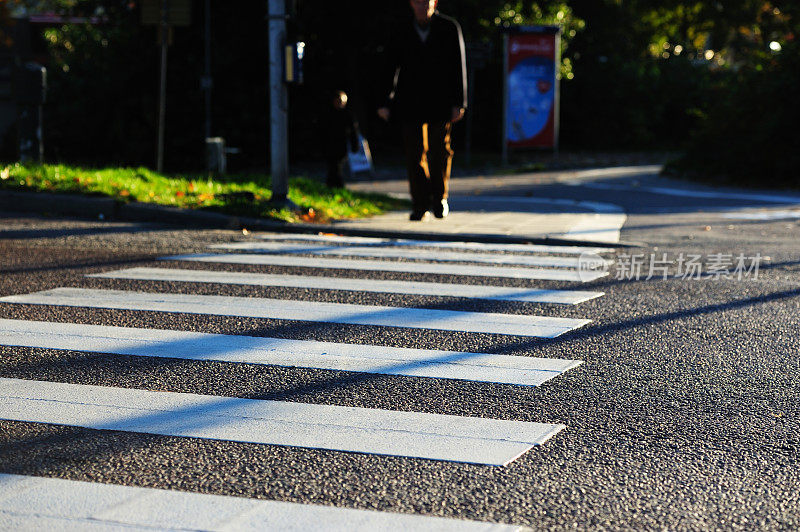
(532, 89)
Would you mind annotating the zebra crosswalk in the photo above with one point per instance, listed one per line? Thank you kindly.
(495, 293)
(362, 430)
(403, 253)
(436, 244)
(35, 503)
(524, 371)
(277, 309)
(332, 428)
(469, 270)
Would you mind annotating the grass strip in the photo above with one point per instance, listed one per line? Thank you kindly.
(241, 195)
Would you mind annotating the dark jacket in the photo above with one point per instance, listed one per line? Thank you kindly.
(430, 78)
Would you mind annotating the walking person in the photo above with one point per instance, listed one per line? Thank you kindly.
(426, 89)
(339, 135)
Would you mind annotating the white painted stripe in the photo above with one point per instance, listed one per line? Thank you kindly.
(614, 171)
(392, 266)
(406, 253)
(362, 430)
(597, 228)
(468, 246)
(497, 293)
(36, 503)
(526, 371)
(524, 204)
(281, 309)
(688, 193)
(763, 216)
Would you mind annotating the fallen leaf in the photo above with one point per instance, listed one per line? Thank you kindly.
(309, 216)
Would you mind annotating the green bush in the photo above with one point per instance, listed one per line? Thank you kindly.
(751, 135)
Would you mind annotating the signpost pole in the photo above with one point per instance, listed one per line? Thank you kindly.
(207, 83)
(279, 151)
(504, 159)
(164, 14)
(162, 99)
(557, 102)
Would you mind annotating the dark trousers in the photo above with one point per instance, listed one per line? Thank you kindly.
(429, 159)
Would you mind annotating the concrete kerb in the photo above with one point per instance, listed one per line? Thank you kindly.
(111, 209)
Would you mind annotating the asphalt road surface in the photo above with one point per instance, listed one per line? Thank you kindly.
(684, 413)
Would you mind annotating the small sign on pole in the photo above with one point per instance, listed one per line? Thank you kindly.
(531, 115)
(179, 12)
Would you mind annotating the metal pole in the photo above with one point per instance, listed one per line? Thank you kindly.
(279, 119)
(162, 100)
(557, 103)
(207, 84)
(504, 158)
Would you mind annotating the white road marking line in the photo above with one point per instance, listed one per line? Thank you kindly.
(280, 309)
(362, 430)
(762, 216)
(688, 193)
(391, 266)
(469, 246)
(526, 371)
(576, 207)
(497, 293)
(597, 228)
(36, 503)
(406, 253)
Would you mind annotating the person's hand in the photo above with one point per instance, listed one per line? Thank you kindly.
(384, 113)
(457, 114)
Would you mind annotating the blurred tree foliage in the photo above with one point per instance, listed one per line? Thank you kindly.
(637, 74)
(749, 134)
(6, 26)
(716, 79)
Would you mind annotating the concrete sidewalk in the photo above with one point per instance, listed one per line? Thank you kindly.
(533, 219)
(505, 206)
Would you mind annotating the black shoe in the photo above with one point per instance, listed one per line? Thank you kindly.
(441, 209)
(419, 216)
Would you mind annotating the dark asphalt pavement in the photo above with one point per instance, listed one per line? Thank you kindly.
(684, 416)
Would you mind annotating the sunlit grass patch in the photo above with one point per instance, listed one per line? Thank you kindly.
(242, 195)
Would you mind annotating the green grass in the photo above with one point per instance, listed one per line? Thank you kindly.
(246, 195)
